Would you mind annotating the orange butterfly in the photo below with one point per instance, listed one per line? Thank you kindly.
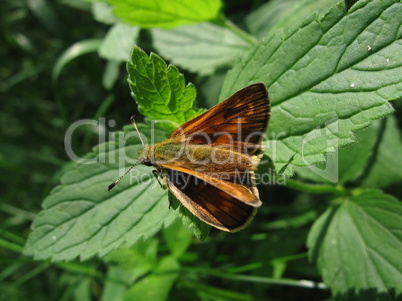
(208, 163)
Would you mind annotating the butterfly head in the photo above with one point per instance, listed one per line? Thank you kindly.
(144, 157)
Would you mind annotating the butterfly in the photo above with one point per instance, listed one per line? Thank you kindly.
(208, 163)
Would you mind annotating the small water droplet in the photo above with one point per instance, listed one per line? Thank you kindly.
(368, 48)
(54, 237)
(387, 60)
(352, 85)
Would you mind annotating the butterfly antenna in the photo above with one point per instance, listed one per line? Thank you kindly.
(143, 145)
(118, 180)
(136, 128)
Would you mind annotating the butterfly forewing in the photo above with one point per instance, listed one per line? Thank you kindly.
(238, 122)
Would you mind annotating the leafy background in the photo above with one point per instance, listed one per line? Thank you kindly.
(333, 231)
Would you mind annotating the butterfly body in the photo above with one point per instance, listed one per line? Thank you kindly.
(198, 157)
(208, 163)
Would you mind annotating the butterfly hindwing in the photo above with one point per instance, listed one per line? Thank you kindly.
(243, 192)
(225, 212)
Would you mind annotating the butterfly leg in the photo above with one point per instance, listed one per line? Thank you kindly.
(161, 180)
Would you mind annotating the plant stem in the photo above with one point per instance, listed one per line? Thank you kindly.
(258, 279)
(31, 274)
(316, 188)
(236, 30)
(283, 281)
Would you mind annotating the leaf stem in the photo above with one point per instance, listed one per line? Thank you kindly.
(316, 188)
(239, 32)
(31, 274)
(258, 279)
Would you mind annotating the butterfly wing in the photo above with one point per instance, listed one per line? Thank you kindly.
(225, 212)
(240, 121)
(238, 185)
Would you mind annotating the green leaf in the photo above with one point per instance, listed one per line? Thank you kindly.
(371, 162)
(118, 42)
(156, 286)
(211, 86)
(354, 158)
(277, 14)
(166, 14)
(103, 13)
(346, 163)
(115, 285)
(260, 21)
(358, 244)
(350, 3)
(111, 74)
(160, 90)
(127, 265)
(327, 77)
(137, 260)
(82, 291)
(72, 52)
(46, 14)
(177, 238)
(199, 48)
(81, 218)
(383, 167)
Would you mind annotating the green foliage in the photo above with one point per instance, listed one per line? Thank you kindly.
(129, 269)
(163, 14)
(331, 70)
(201, 48)
(81, 218)
(118, 42)
(127, 266)
(74, 51)
(159, 90)
(372, 162)
(177, 238)
(357, 244)
(156, 286)
(331, 84)
(276, 14)
(385, 156)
